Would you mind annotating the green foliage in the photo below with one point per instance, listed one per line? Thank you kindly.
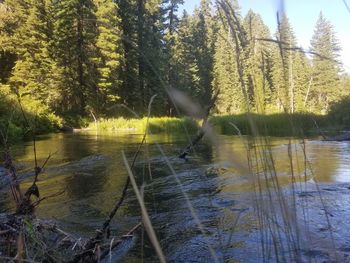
(259, 61)
(12, 122)
(325, 71)
(156, 125)
(298, 124)
(339, 112)
(74, 58)
(109, 54)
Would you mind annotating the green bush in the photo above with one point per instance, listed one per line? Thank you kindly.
(340, 112)
(37, 115)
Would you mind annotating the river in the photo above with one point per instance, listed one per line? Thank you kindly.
(249, 201)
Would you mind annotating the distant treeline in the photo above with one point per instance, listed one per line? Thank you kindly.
(78, 57)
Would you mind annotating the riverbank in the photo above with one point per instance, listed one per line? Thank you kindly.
(44, 121)
(297, 124)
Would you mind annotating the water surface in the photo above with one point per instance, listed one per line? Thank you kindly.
(221, 182)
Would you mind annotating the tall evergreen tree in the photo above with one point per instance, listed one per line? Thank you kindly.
(302, 81)
(33, 70)
(283, 60)
(8, 24)
(204, 37)
(259, 59)
(129, 92)
(109, 53)
(231, 98)
(170, 21)
(325, 73)
(239, 42)
(185, 62)
(194, 53)
(154, 58)
(74, 38)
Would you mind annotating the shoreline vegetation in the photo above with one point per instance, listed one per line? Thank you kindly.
(299, 125)
(279, 124)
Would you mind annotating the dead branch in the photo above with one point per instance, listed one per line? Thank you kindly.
(286, 46)
(201, 131)
(103, 250)
(36, 203)
(115, 244)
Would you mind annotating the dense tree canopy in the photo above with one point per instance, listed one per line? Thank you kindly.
(82, 56)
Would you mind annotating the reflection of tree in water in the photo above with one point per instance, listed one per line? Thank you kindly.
(76, 147)
(325, 160)
(86, 178)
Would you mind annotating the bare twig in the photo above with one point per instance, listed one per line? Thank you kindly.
(115, 244)
(127, 183)
(36, 203)
(202, 130)
(286, 46)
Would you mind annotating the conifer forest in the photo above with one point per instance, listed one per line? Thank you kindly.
(148, 131)
(72, 57)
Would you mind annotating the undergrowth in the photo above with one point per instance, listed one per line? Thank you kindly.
(155, 125)
(297, 124)
(11, 115)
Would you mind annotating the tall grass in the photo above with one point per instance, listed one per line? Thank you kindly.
(155, 125)
(281, 124)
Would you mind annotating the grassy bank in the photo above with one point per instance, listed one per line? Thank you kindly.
(248, 124)
(156, 125)
(12, 122)
(298, 124)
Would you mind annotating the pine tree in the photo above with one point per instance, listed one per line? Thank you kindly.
(205, 32)
(7, 53)
(170, 22)
(237, 39)
(260, 54)
(154, 58)
(109, 53)
(33, 69)
(73, 43)
(283, 61)
(231, 99)
(185, 66)
(325, 72)
(144, 56)
(194, 54)
(30, 38)
(302, 81)
(129, 93)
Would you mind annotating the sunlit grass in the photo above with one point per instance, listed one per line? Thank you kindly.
(297, 124)
(155, 125)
